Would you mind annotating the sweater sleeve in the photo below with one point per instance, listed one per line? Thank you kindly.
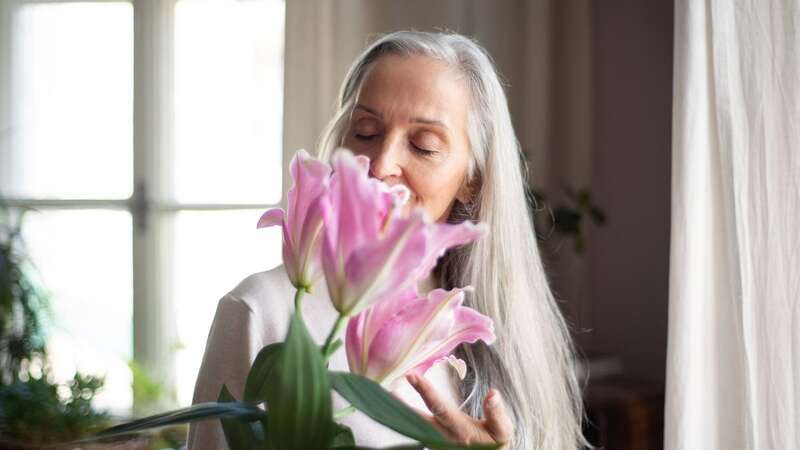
(233, 343)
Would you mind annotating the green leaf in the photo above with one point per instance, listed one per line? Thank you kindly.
(399, 447)
(241, 435)
(300, 399)
(374, 401)
(370, 398)
(262, 373)
(343, 436)
(202, 411)
(598, 215)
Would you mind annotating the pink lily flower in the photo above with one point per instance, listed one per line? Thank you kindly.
(411, 334)
(372, 250)
(302, 226)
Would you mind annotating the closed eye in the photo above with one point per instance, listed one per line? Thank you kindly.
(422, 151)
(365, 137)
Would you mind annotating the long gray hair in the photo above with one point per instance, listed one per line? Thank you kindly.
(532, 362)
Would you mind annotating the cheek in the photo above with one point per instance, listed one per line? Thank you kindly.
(434, 189)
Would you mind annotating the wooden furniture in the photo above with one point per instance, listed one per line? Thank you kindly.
(625, 414)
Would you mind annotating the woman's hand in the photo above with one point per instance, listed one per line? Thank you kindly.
(459, 427)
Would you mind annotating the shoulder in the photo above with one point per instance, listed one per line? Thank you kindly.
(267, 299)
(264, 289)
(264, 298)
(259, 284)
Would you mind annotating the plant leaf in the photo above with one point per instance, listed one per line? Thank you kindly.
(262, 373)
(202, 411)
(370, 398)
(300, 397)
(241, 435)
(343, 437)
(398, 447)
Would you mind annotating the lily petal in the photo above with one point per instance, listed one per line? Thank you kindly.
(382, 267)
(445, 236)
(358, 208)
(358, 202)
(394, 348)
(412, 334)
(361, 328)
(373, 248)
(457, 364)
(271, 218)
(471, 326)
(302, 222)
(310, 181)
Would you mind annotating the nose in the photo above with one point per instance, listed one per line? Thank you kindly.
(387, 160)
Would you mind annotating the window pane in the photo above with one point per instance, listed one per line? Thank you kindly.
(72, 113)
(85, 261)
(228, 101)
(214, 251)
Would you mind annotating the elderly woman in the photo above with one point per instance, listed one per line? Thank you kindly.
(429, 111)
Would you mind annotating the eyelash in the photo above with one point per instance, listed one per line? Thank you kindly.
(422, 151)
(419, 150)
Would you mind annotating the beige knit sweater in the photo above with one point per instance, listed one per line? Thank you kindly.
(256, 313)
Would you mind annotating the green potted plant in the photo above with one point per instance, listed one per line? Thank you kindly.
(35, 410)
(566, 217)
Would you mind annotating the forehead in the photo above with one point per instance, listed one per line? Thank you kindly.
(403, 87)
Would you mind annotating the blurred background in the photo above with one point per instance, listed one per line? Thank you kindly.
(144, 139)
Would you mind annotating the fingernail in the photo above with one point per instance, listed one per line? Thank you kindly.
(494, 397)
(411, 378)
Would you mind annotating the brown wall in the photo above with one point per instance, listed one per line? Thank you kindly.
(629, 258)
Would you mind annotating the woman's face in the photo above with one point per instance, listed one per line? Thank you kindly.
(411, 121)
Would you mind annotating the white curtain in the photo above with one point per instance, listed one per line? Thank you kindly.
(733, 376)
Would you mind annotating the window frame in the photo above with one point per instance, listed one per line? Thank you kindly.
(151, 202)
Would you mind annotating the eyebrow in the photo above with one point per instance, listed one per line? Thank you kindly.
(413, 120)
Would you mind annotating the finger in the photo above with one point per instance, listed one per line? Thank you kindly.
(447, 416)
(425, 415)
(428, 417)
(496, 419)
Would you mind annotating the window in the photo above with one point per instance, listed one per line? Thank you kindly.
(148, 136)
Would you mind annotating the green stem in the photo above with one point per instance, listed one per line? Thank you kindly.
(344, 412)
(298, 297)
(326, 349)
